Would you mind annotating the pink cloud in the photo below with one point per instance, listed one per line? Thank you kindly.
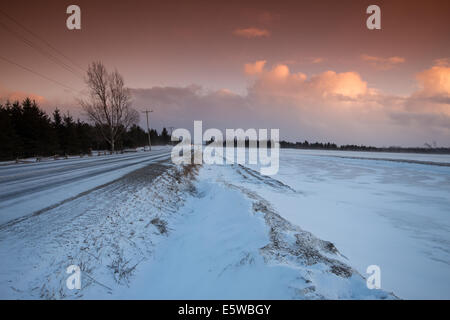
(329, 106)
(254, 68)
(432, 99)
(383, 63)
(435, 81)
(443, 62)
(12, 96)
(317, 60)
(251, 32)
(279, 81)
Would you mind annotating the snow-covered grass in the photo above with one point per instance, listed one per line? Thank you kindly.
(108, 233)
(228, 243)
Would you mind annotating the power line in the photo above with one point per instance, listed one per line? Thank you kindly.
(42, 39)
(39, 74)
(43, 52)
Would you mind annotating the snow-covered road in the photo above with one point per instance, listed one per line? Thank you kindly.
(27, 188)
(100, 231)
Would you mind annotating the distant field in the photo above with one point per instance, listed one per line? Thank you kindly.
(394, 214)
(438, 158)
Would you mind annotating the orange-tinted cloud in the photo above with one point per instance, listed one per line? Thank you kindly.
(383, 63)
(433, 96)
(279, 81)
(251, 32)
(443, 62)
(329, 106)
(435, 81)
(317, 60)
(254, 68)
(12, 96)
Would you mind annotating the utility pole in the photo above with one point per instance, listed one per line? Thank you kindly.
(148, 129)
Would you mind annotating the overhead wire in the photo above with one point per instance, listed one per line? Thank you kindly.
(40, 50)
(39, 74)
(42, 39)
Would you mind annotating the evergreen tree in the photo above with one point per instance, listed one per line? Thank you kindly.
(165, 138)
(9, 141)
(59, 130)
(27, 131)
(70, 141)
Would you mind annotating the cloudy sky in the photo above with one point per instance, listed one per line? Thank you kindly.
(310, 68)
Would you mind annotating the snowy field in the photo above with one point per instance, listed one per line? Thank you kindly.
(438, 159)
(394, 214)
(158, 231)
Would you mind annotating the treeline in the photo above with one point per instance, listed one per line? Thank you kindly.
(325, 146)
(28, 131)
(352, 147)
(334, 146)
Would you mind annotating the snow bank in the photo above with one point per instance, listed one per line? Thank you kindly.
(228, 243)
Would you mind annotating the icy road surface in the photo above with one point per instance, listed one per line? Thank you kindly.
(27, 188)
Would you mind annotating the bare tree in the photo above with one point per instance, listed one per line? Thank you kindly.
(109, 103)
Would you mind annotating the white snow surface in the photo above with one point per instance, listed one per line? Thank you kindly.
(227, 232)
(399, 156)
(394, 214)
(182, 236)
(222, 247)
